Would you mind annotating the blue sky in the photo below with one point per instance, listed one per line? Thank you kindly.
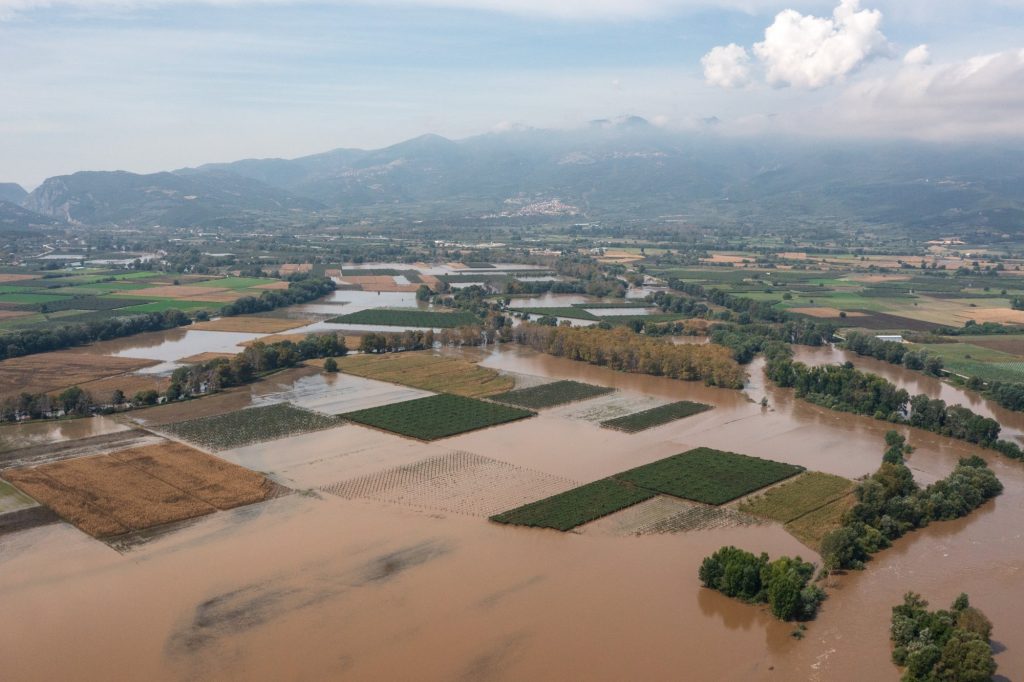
(147, 85)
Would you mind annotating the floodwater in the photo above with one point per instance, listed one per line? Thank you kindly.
(15, 436)
(317, 586)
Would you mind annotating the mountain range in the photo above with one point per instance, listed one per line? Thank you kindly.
(609, 170)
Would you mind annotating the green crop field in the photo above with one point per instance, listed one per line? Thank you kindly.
(575, 507)
(798, 497)
(30, 298)
(397, 317)
(985, 363)
(254, 425)
(550, 395)
(163, 304)
(569, 312)
(709, 476)
(87, 303)
(437, 416)
(813, 526)
(632, 423)
(235, 282)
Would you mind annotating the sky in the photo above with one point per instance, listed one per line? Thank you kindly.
(149, 85)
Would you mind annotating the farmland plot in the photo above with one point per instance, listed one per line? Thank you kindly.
(657, 416)
(397, 317)
(802, 495)
(254, 425)
(438, 416)
(428, 371)
(552, 394)
(709, 476)
(458, 482)
(575, 507)
(339, 393)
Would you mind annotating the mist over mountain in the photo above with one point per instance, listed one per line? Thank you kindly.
(609, 170)
(12, 192)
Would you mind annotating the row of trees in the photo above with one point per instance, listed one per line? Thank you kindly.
(894, 353)
(29, 341)
(298, 291)
(748, 308)
(257, 359)
(890, 504)
(847, 389)
(783, 584)
(746, 341)
(625, 351)
(941, 645)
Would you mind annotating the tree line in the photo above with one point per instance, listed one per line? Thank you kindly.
(893, 353)
(747, 308)
(783, 584)
(847, 389)
(301, 290)
(623, 350)
(890, 504)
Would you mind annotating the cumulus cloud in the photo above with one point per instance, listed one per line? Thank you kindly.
(917, 56)
(727, 66)
(810, 52)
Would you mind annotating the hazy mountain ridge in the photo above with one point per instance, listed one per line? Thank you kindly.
(12, 192)
(610, 169)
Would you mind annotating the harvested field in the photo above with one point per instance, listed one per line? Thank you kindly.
(458, 482)
(575, 507)
(824, 312)
(884, 321)
(812, 527)
(254, 425)
(182, 291)
(397, 317)
(207, 356)
(292, 268)
(276, 286)
(1005, 343)
(657, 416)
(251, 324)
(429, 371)
(438, 416)
(551, 394)
(609, 406)
(803, 495)
(103, 389)
(707, 475)
(8, 277)
(12, 314)
(1000, 315)
(132, 490)
(47, 372)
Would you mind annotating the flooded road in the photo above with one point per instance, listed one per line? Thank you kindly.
(318, 586)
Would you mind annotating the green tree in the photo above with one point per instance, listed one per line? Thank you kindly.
(330, 365)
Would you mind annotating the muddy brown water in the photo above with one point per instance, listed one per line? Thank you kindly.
(313, 586)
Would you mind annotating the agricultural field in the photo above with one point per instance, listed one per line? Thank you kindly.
(576, 507)
(657, 416)
(973, 360)
(430, 372)
(12, 499)
(139, 488)
(237, 282)
(397, 317)
(570, 312)
(812, 527)
(245, 427)
(708, 476)
(46, 372)
(438, 416)
(251, 324)
(551, 394)
(804, 494)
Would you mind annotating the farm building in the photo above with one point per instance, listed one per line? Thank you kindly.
(895, 338)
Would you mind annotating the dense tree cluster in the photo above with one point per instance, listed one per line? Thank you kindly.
(1009, 395)
(783, 584)
(28, 341)
(626, 351)
(257, 359)
(747, 308)
(894, 353)
(298, 291)
(747, 341)
(890, 504)
(933, 646)
(932, 414)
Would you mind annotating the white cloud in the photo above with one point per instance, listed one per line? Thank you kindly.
(918, 56)
(810, 52)
(727, 66)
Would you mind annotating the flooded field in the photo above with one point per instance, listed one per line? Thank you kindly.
(384, 558)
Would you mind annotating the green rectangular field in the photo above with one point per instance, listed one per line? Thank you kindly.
(161, 305)
(709, 476)
(253, 425)
(235, 282)
(397, 317)
(570, 312)
(30, 298)
(437, 416)
(550, 395)
(656, 416)
(575, 507)
(803, 495)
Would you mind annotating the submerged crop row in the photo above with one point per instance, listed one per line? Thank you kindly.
(255, 425)
(552, 394)
(437, 416)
